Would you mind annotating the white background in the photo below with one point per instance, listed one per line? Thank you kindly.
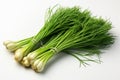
(23, 18)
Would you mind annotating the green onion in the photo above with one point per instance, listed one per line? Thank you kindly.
(92, 34)
(14, 45)
(68, 30)
(62, 19)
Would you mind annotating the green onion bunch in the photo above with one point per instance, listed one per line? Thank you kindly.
(67, 30)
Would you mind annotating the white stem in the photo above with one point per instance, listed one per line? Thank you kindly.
(11, 46)
(34, 65)
(25, 62)
(7, 42)
(40, 67)
(32, 56)
(19, 54)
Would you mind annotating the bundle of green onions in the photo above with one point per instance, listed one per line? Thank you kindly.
(67, 30)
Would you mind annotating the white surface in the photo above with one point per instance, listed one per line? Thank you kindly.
(23, 18)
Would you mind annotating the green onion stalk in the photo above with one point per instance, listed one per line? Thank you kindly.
(43, 48)
(81, 18)
(93, 33)
(61, 19)
(14, 45)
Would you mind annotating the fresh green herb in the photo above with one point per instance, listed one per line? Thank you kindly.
(61, 19)
(67, 30)
(91, 34)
